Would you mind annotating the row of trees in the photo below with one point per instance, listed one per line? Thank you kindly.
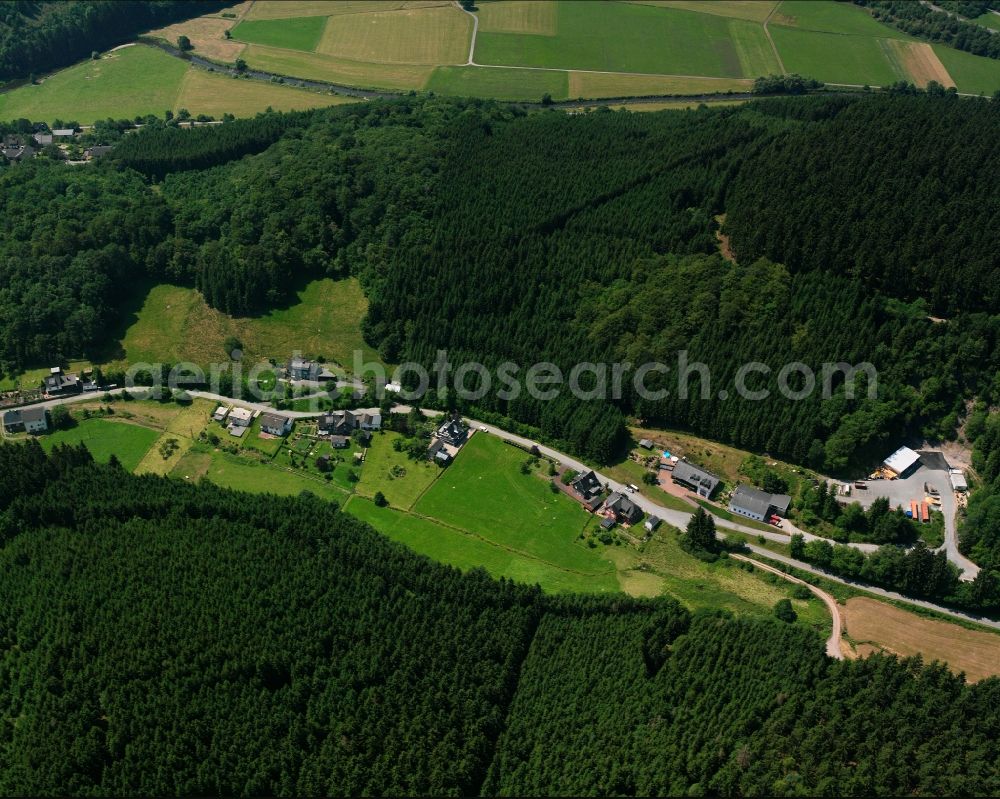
(173, 638)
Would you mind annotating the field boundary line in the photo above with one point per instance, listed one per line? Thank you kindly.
(774, 47)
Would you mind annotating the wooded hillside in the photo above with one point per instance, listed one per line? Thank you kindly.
(160, 638)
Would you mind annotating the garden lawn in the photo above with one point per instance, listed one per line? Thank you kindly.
(400, 479)
(104, 438)
(484, 493)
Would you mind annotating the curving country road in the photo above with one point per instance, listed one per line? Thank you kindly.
(675, 518)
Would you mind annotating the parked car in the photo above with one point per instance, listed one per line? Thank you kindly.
(632, 488)
(861, 484)
(483, 428)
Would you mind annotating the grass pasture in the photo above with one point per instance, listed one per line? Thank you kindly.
(292, 33)
(877, 626)
(831, 17)
(499, 83)
(218, 95)
(485, 493)
(990, 19)
(175, 324)
(464, 551)
(429, 36)
(242, 474)
(834, 58)
(104, 438)
(972, 73)
(128, 82)
(754, 50)
(316, 66)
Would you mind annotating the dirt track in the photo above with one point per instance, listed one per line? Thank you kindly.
(833, 642)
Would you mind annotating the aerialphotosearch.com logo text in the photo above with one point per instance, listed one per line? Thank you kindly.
(654, 381)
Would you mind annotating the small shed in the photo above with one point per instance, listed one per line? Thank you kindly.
(645, 443)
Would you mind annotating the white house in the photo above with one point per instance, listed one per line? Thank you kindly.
(240, 417)
(26, 420)
(220, 413)
(275, 424)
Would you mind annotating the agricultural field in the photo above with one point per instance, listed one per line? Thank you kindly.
(139, 80)
(990, 19)
(217, 95)
(432, 36)
(208, 33)
(175, 324)
(595, 85)
(500, 83)
(622, 37)
(316, 66)
(835, 58)
(104, 438)
(972, 73)
(753, 10)
(536, 17)
(293, 33)
(874, 626)
(279, 9)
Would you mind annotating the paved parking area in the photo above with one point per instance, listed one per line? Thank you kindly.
(901, 492)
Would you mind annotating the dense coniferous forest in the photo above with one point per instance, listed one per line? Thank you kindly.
(41, 35)
(164, 638)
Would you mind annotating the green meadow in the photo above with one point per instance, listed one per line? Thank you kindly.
(104, 438)
(293, 33)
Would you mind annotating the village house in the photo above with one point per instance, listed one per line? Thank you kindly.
(18, 152)
(698, 480)
(26, 420)
(220, 414)
(652, 523)
(97, 151)
(453, 432)
(589, 490)
(42, 139)
(301, 369)
(758, 505)
(337, 423)
(624, 509)
(59, 384)
(437, 453)
(339, 442)
(239, 421)
(369, 421)
(275, 424)
(63, 133)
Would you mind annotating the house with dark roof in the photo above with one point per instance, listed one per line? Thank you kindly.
(26, 420)
(97, 151)
(652, 523)
(42, 139)
(625, 510)
(758, 505)
(301, 369)
(453, 432)
(338, 423)
(275, 424)
(339, 442)
(59, 384)
(437, 453)
(587, 485)
(703, 483)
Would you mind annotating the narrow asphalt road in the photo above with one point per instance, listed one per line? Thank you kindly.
(833, 642)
